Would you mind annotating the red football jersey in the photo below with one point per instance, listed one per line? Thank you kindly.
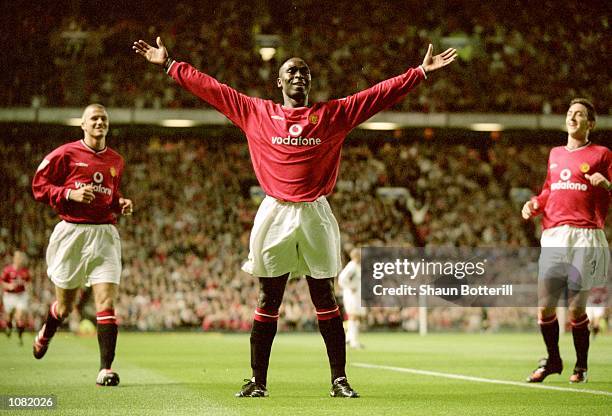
(19, 276)
(73, 166)
(568, 197)
(295, 151)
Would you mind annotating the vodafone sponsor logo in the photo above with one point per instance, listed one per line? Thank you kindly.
(98, 177)
(565, 174)
(294, 138)
(564, 183)
(296, 141)
(295, 130)
(96, 188)
(573, 186)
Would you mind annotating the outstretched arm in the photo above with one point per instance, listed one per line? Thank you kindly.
(432, 63)
(361, 106)
(235, 106)
(157, 56)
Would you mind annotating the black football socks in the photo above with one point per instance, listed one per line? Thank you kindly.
(330, 326)
(107, 337)
(580, 332)
(262, 337)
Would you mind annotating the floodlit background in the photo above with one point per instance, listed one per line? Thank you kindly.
(450, 165)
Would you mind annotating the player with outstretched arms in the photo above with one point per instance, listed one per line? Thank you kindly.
(80, 181)
(295, 150)
(575, 256)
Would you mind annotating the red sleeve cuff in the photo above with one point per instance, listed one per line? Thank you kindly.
(422, 71)
(170, 67)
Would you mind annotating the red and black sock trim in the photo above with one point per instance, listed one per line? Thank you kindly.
(53, 311)
(549, 320)
(266, 315)
(106, 317)
(581, 322)
(328, 313)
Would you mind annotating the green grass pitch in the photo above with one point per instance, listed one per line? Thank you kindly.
(198, 374)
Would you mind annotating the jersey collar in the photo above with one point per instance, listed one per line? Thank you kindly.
(587, 144)
(93, 150)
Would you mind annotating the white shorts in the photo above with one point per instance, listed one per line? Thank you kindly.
(15, 301)
(83, 254)
(300, 238)
(579, 255)
(352, 303)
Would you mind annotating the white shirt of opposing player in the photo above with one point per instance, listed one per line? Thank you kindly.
(350, 279)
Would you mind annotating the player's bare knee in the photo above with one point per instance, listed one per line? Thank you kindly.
(271, 292)
(104, 296)
(104, 304)
(546, 312)
(322, 292)
(269, 301)
(574, 313)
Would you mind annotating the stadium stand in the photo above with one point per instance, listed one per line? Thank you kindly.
(189, 234)
(184, 246)
(514, 57)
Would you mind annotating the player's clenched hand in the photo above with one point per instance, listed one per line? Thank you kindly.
(154, 55)
(431, 63)
(84, 194)
(126, 206)
(529, 209)
(597, 179)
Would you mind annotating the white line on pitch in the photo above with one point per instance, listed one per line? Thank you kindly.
(480, 379)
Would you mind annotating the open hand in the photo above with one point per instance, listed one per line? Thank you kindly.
(154, 55)
(432, 63)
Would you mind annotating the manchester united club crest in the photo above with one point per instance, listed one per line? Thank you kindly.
(113, 171)
(584, 167)
(314, 119)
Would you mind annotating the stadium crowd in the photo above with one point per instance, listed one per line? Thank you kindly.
(183, 248)
(514, 57)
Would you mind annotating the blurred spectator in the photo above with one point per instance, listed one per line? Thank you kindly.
(183, 248)
(515, 57)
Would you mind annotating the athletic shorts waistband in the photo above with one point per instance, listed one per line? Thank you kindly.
(283, 201)
(88, 223)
